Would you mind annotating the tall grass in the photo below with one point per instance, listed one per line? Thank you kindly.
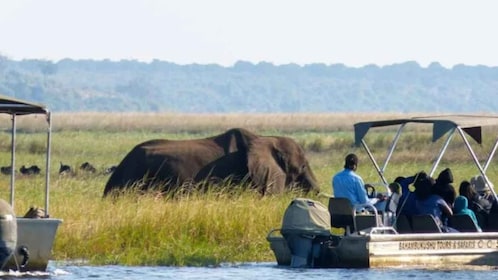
(202, 228)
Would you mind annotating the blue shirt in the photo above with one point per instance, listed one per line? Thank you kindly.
(350, 185)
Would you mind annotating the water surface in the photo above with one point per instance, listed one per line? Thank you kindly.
(260, 271)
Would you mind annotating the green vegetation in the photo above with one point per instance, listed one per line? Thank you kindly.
(199, 229)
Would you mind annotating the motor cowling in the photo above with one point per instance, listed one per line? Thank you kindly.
(8, 232)
(304, 222)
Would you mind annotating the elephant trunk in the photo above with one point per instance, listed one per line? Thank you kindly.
(308, 183)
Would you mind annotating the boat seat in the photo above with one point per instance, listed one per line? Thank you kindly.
(364, 221)
(341, 214)
(425, 224)
(463, 223)
(482, 220)
(403, 224)
(492, 222)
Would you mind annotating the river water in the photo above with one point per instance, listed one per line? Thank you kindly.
(260, 271)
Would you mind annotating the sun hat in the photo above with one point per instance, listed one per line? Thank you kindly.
(479, 183)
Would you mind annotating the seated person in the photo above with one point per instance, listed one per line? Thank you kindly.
(444, 187)
(392, 203)
(348, 184)
(393, 200)
(477, 203)
(484, 191)
(406, 204)
(428, 203)
(461, 208)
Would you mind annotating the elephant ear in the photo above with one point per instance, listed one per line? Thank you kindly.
(263, 160)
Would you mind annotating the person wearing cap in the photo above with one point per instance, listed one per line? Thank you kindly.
(348, 184)
(484, 191)
(480, 186)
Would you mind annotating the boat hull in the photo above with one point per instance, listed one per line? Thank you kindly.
(37, 235)
(434, 249)
(390, 250)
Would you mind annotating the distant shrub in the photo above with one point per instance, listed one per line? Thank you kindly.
(37, 147)
(317, 145)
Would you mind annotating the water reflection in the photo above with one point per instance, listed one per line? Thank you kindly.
(263, 271)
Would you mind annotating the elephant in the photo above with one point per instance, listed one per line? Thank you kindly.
(270, 164)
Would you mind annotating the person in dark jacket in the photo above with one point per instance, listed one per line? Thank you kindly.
(427, 202)
(444, 187)
(406, 204)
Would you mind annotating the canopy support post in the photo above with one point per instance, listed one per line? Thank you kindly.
(476, 160)
(394, 144)
(12, 159)
(381, 174)
(47, 164)
(442, 152)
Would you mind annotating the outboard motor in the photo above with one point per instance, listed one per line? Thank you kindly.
(304, 222)
(8, 232)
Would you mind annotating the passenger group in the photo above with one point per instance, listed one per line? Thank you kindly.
(436, 197)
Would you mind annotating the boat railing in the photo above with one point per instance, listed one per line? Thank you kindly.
(378, 231)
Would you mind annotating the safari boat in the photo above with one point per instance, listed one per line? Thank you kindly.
(305, 238)
(35, 234)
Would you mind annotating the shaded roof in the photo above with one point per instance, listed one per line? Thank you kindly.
(471, 124)
(13, 106)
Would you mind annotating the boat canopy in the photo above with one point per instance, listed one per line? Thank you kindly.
(17, 107)
(463, 125)
(470, 124)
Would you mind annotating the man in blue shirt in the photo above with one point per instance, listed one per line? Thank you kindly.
(348, 184)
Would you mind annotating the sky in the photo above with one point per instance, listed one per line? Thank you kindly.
(352, 32)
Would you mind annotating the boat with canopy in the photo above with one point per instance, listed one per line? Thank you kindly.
(305, 239)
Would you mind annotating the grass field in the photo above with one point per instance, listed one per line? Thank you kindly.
(199, 229)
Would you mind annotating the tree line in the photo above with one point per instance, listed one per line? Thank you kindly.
(158, 86)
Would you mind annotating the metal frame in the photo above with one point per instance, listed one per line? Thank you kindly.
(14, 108)
(450, 124)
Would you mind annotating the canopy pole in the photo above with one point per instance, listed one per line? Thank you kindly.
(47, 164)
(441, 153)
(12, 159)
(491, 156)
(476, 161)
(381, 174)
(394, 144)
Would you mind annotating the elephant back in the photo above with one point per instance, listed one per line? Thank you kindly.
(235, 139)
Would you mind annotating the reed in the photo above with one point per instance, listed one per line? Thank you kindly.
(196, 123)
(201, 228)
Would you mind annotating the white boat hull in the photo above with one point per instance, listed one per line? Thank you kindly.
(390, 250)
(37, 235)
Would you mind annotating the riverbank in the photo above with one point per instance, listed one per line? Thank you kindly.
(201, 229)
